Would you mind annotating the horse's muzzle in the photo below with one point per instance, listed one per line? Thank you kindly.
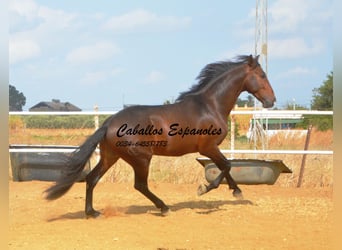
(268, 103)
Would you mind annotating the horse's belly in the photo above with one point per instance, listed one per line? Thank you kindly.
(171, 148)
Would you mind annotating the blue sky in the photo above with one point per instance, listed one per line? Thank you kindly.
(107, 53)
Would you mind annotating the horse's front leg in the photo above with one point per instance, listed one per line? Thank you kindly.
(224, 165)
(202, 189)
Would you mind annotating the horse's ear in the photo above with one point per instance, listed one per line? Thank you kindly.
(250, 60)
(253, 62)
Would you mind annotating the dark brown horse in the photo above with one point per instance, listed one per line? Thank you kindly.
(196, 122)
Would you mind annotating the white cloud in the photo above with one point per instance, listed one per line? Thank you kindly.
(23, 15)
(24, 8)
(295, 28)
(97, 52)
(246, 48)
(28, 15)
(293, 48)
(296, 71)
(36, 30)
(22, 49)
(299, 71)
(154, 77)
(288, 16)
(143, 19)
(116, 71)
(58, 19)
(96, 77)
(93, 78)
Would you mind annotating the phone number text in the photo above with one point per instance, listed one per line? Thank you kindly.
(141, 143)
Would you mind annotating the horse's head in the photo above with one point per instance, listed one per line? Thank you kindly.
(257, 84)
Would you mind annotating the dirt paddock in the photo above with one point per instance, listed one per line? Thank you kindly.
(269, 217)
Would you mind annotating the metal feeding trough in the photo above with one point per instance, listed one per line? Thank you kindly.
(41, 162)
(247, 171)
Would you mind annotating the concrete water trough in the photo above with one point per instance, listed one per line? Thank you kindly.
(40, 162)
(247, 171)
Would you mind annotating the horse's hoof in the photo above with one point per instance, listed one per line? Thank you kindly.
(93, 214)
(165, 211)
(202, 189)
(238, 194)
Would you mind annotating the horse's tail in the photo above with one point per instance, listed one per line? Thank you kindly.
(75, 164)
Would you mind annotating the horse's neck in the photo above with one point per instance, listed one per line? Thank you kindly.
(225, 92)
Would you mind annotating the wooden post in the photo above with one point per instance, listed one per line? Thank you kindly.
(96, 121)
(306, 146)
(96, 117)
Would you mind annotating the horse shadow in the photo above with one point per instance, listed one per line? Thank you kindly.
(199, 207)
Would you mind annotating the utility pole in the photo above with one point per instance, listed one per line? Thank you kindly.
(260, 47)
(261, 32)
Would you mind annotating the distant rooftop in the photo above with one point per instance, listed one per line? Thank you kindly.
(54, 105)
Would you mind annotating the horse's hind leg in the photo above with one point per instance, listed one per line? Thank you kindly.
(141, 169)
(93, 177)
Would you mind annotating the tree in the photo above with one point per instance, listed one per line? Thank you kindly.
(323, 96)
(16, 99)
(240, 102)
(294, 106)
(322, 100)
(249, 102)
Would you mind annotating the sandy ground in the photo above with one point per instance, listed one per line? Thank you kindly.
(270, 217)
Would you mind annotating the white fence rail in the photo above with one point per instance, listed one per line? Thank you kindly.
(233, 112)
(264, 113)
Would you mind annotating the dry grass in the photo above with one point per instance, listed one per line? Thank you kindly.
(185, 169)
(49, 136)
(243, 123)
(319, 140)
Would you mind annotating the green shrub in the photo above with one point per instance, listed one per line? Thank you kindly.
(320, 122)
(61, 121)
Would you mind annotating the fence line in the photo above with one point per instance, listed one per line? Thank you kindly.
(270, 151)
(225, 151)
(281, 112)
(233, 112)
(62, 112)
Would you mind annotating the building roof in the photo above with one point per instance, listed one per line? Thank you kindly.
(54, 105)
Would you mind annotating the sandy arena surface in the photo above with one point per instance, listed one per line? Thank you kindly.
(270, 217)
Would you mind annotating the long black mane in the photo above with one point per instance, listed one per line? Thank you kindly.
(210, 72)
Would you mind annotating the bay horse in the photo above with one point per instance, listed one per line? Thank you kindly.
(196, 122)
